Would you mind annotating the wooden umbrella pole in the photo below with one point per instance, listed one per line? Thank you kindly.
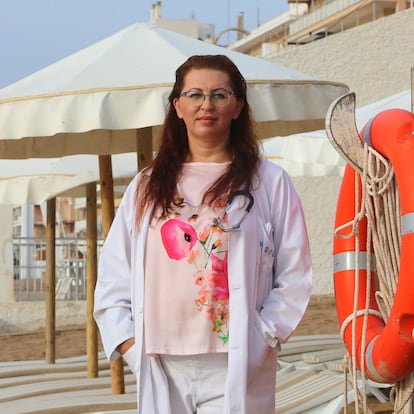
(108, 214)
(91, 277)
(50, 333)
(144, 147)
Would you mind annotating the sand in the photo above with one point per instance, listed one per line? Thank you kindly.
(320, 318)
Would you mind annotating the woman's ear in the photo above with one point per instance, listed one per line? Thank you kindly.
(239, 107)
(176, 103)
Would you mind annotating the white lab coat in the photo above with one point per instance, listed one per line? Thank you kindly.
(265, 306)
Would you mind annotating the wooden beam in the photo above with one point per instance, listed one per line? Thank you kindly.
(108, 214)
(50, 333)
(91, 277)
(144, 147)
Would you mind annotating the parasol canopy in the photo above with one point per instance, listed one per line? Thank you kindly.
(311, 153)
(99, 100)
(35, 180)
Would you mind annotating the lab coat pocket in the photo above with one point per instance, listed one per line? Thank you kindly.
(130, 357)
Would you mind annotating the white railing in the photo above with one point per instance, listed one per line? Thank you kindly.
(329, 9)
(29, 268)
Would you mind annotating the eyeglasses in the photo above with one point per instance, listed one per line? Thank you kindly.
(220, 97)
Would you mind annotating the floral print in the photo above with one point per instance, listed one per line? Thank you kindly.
(178, 238)
(203, 250)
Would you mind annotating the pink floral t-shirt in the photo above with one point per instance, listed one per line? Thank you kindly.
(186, 286)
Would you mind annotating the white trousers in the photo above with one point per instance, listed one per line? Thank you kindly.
(196, 383)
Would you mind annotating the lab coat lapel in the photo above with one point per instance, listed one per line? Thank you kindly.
(242, 268)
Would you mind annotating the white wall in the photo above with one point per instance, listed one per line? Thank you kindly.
(319, 196)
(31, 315)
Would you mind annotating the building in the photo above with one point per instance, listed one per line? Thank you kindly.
(188, 27)
(310, 20)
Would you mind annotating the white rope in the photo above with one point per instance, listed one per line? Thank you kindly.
(354, 315)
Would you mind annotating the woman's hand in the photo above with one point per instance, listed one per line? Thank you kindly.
(124, 346)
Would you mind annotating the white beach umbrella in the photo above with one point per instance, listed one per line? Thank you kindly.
(97, 100)
(400, 100)
(35, 180)
(309, 154)
(312, 154)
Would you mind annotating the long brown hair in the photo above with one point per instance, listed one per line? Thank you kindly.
(157, 188)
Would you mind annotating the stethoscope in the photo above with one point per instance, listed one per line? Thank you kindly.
(220, 223)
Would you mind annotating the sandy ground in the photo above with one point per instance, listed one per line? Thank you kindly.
(320, 318)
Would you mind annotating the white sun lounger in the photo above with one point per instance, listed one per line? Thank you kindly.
(311, 391)
(40, 367)
(83, 401)
(34, 387)
(55, 386)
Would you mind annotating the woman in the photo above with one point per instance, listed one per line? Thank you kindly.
(206, 268)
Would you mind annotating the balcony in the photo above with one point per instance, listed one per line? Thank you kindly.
(335, 16)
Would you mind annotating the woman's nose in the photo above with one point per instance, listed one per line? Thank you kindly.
(207, 102)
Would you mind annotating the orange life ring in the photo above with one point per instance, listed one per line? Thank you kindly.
(389, 347)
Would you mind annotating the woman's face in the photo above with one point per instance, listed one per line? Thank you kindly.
(207, 118)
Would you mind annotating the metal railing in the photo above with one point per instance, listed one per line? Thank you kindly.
(29, 268)
(330, 8)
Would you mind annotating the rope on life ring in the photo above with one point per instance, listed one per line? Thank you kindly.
(384, 351)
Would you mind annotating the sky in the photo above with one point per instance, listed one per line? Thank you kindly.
(36, 33)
